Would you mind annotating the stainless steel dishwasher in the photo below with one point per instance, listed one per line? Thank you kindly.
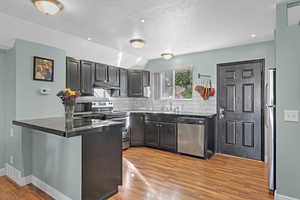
(191, 136)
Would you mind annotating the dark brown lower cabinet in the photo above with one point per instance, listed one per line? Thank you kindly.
(161, 135)
(168, 136)
(136, 129)
(152, 134)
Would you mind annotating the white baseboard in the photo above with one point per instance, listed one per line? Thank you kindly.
(16, 176)
(48, 189)
(283, 197)
(2, 172)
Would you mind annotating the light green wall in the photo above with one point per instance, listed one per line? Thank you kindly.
(54, 160)
(10, 99)
(2, 114)
(30, 103)
(57, 161)
(288, 98)
(205, 62)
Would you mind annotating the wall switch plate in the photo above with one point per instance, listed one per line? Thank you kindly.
(11, 160)
(291, 115)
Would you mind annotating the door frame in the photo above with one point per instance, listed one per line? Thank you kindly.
(219, 66)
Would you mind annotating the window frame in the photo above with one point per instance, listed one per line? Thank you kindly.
(173, 97)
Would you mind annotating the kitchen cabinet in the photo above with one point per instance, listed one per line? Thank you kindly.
(115, 93)
(113, 76)
(87, 70)
(136, 129)
(73, 73)
(152, 134)
(160, 131)
(135, 83)
(86, 75)
(161, 135)
(101, 73)
(146, 78)
(167, 136)
(123, 82)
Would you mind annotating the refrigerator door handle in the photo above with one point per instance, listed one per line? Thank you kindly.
(267, 117)
(267, 94)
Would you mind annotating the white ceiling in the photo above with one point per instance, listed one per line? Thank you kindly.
(181, 26)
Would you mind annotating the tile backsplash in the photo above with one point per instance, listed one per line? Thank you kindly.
(195, 105)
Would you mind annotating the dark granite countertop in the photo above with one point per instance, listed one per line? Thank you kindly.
(180, 113)
(59, 126)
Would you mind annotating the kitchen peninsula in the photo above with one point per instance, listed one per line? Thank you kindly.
(101, 153)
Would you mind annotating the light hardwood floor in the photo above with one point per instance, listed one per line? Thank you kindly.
(11, 191)
(151, 174)
(157, 175)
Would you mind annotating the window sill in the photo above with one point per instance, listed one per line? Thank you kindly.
(162, 99)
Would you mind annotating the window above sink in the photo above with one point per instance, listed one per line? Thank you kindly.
(177, 84)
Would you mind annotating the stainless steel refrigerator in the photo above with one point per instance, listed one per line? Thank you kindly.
(270, 126)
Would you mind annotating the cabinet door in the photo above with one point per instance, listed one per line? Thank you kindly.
(136, 130)
(146, 78)
(73, 73)
(87, 77)
(114, 76)
(123, 82)
(151, 134)
(167, 136)
(115, 93)
(135, 84)
(100, 72)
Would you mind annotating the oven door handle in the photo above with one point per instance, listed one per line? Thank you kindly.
(119, 119)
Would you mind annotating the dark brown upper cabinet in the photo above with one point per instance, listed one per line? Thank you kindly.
(101, 73)
(114, 76)
(146, 78)
(123, 82)
(135, 83)
(73, 73)
(87, 77)
(137, 80)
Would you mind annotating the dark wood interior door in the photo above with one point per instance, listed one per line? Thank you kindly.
(240, 109)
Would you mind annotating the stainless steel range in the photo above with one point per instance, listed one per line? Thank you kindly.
(103, 109)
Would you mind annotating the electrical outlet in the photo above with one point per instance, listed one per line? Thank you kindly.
(12, 132)
(11, 160)
(291, 115)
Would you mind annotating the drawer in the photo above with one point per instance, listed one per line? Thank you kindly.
(158, 117)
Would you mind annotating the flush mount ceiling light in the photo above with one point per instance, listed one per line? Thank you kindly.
(253, 35)
(137, 43)
(167, 56)
(48, 7)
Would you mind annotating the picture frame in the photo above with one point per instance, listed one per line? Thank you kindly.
(43, 69)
